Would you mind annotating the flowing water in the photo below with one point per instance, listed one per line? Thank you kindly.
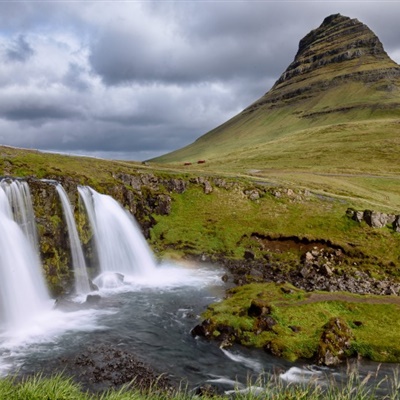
(145, 308)
(120, 244)
(23, 293)
(78, 260)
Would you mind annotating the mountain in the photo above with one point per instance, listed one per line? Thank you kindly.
(336, 107)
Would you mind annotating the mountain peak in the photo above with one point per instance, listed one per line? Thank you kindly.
(341, 81)
(341, 48)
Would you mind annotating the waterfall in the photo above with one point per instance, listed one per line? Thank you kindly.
(19, 197)
(23, 292)
(78, 261)
(119, 242)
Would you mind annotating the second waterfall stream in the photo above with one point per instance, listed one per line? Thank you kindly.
(120, 246)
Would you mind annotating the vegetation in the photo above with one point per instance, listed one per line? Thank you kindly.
(297, 320)
(62, 388)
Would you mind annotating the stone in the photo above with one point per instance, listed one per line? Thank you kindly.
(164, 203)
(326, 270)
(207, 187)
(264, 323)
(93, 298)
(249, 255)
(334, 344)
(258, 308)
(396, 223)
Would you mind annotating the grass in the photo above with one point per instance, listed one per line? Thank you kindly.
(374, 325)
(59, 387)
(222, 223)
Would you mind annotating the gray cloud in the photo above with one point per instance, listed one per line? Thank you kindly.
(137, 79)
(19, 50)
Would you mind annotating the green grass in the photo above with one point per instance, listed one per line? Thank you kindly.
(222, 222)
(59, 387)
(376, 338)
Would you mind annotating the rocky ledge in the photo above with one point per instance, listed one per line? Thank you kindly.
(318, 269)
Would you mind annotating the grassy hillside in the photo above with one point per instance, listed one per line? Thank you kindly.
(334, 135)
(334, 112)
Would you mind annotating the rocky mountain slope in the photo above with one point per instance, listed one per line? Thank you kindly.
(339, 97)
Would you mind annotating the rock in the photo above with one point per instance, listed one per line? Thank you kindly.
(334, 344)
(375, 219)
(176, 185)
(225, 278)
(264, 323)
(326, 270)
(207, 187)
(252, 194)
(249, 255)
(93, 298)
(308, 258)
(199, 330)
(258, 308)
(164, 203)
(286, 290)
(396, 223)
(295, 329)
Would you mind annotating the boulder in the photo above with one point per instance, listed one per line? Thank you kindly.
(207, 187)
(335, 342)
(396, 223)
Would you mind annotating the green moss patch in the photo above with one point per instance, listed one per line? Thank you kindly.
(297, 321)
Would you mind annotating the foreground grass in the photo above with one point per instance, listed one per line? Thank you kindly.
(59, 387)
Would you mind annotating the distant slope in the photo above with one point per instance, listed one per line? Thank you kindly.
(336, 107)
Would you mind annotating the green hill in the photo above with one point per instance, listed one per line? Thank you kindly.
(334, 110)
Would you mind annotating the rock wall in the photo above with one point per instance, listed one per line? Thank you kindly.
(143, 195)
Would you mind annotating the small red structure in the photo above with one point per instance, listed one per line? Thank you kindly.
(187, 163)
(201, 162)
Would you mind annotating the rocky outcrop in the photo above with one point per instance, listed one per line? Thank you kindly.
(319, 269)
(375, 219)
(335, 342)
(143, 194)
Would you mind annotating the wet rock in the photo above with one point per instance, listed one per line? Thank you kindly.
(334, 343)
(93, 298)
(225, 278)
(106, 366)
(206, 390)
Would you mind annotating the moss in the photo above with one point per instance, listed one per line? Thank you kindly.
(303, 328)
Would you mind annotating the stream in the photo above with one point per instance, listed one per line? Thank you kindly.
(152, 318)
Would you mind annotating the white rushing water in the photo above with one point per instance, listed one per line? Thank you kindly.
(19, 197)
(120, 245)
(23, 293)
(78, 260)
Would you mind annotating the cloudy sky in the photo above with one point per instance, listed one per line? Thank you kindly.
(136, 79)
